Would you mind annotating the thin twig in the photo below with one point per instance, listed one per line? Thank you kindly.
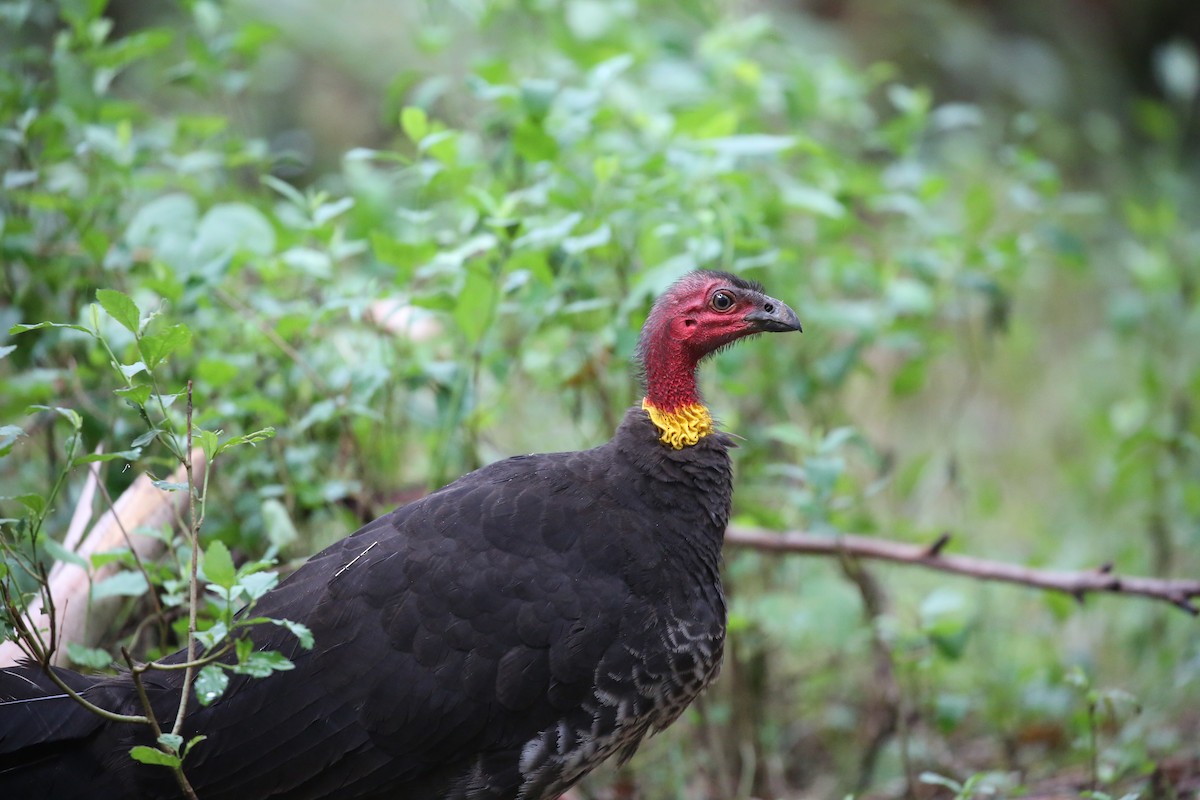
(27, 638)
(81, 517)
(300, 361)
(136, 671)
(886, 715)
(159, 613)
(30, 644)
(111, 716)
(189, 674)
(209, 657)
(52, 646)
(292, 353)
(1078, 584)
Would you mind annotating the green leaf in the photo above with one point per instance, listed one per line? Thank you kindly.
(1178, 69)
(211, 637)
(211, 683)
(256, 584)
(22, 327)
(945, 619)
(162, 223)
(281, 531)
(34, 502)
(127, 455)
(133, 47)
(138, 395)
(218, 565)
(252, 439)
(123, 584)
(321, 411)
(285, 189)
(155, 348)
(6, 349)
(592, 19)
(934, 779)
(415, 123)
(58, 552)
(908, 100)
(605, 168)
(443, 146)
(18, 178)
(308, 260)
(208, 441)
(69, 414)
(537, 97)
(334, 208)
(244, 647)
(192, 742)
(120, 307)
(91, 657)
(532, 142)
(404, 256)
(8, 438)
(260, 664)
(146, 438)
(906, 296)
(436, 301)
(216, 372)
(549, 233)
(811, 199)
(473, 311)
(597, 238)
(228, 228)
(749, 145)
(301, 632)
(152, 755)
(707, 121)
(171, 741)
(110, 556)
(129, 370)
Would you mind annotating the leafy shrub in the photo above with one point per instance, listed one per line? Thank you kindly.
(471, 286)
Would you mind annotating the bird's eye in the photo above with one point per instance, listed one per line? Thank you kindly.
(722, 301)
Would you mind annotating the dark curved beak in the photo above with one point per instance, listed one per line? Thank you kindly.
(772, 316)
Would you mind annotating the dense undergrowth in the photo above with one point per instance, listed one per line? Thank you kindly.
(1001, 326)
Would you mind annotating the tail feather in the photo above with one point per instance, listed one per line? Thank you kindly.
(44, 736)
(35, 711)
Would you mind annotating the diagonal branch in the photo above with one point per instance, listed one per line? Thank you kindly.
(1078, 584)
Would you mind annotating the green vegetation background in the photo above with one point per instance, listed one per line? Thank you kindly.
(414, 238)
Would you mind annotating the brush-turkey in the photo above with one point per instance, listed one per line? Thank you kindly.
(499, 638)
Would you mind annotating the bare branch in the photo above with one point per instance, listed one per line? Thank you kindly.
(1078, 584)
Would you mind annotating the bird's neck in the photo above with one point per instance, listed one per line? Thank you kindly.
(681, 427)
(673, 398)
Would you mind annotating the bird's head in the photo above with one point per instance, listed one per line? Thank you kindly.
(699, 314)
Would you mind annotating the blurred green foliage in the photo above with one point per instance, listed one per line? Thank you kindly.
(998, 343)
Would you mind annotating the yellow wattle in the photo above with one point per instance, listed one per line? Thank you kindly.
(682, 427)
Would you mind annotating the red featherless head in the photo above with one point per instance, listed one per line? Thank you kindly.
(701, 313)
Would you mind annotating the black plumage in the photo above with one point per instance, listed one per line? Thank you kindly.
(498, 638)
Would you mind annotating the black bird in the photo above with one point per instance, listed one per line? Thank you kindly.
(499, 638)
